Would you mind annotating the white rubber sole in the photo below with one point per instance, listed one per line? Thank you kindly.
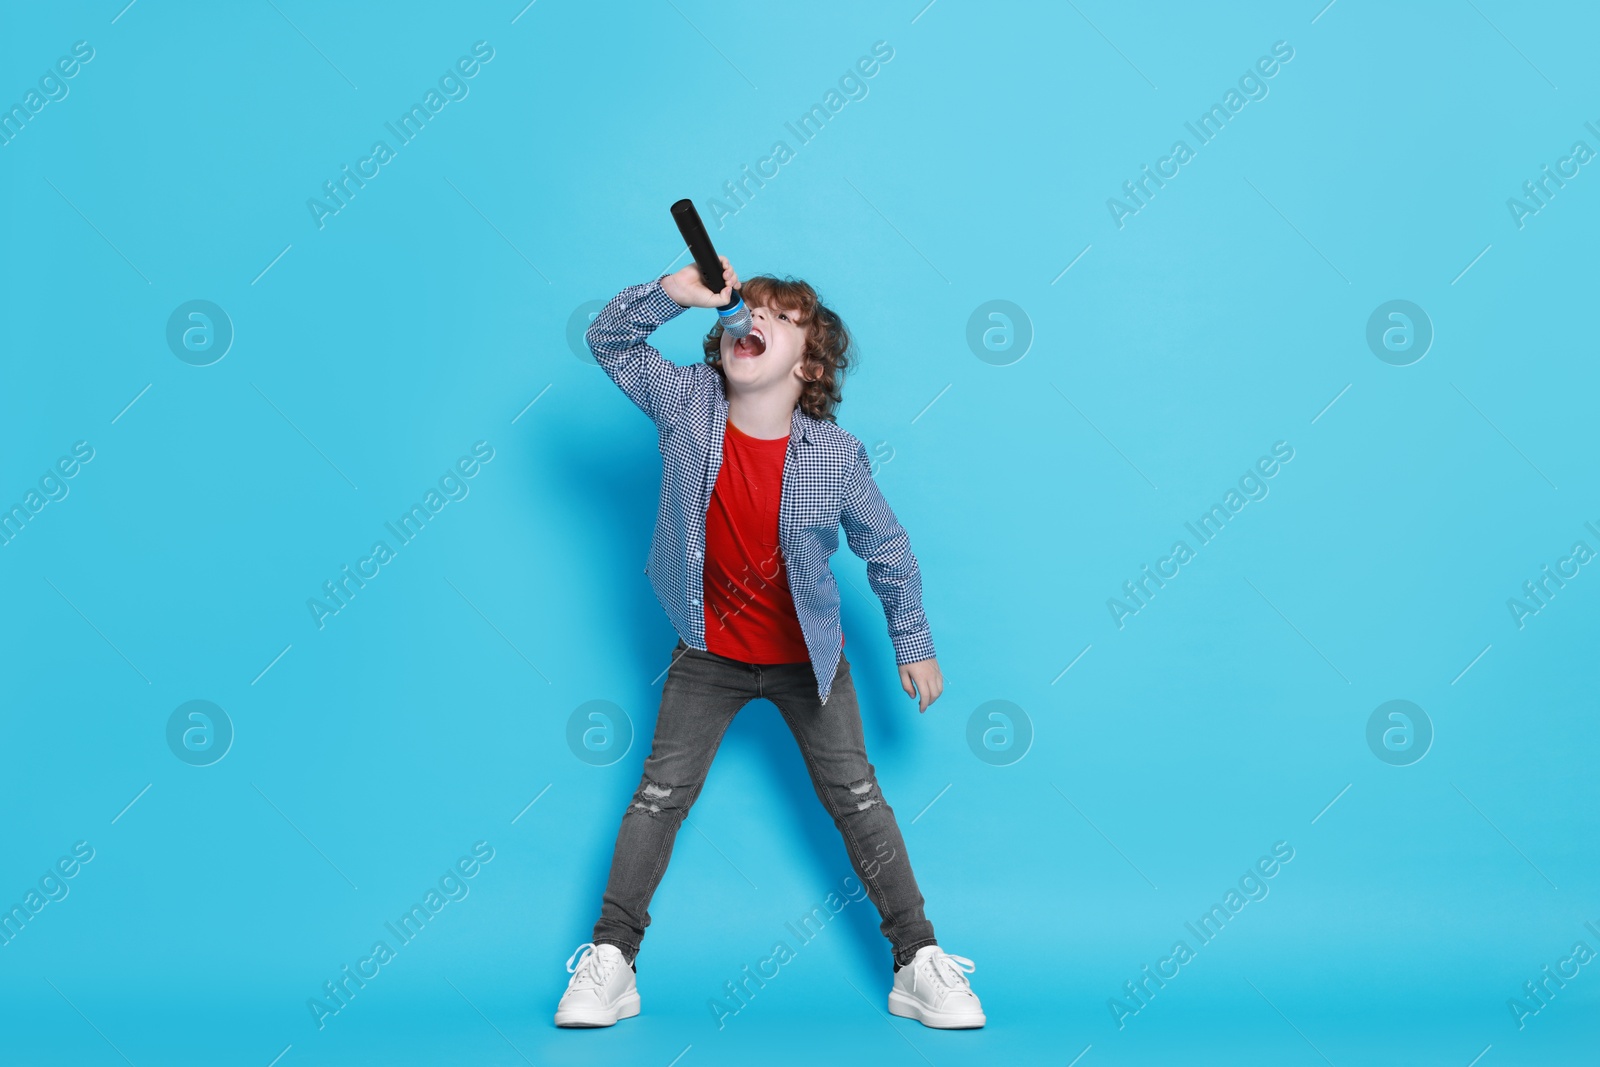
(908, 1007)
(626, 1007)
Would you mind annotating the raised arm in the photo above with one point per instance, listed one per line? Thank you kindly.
(619, 336)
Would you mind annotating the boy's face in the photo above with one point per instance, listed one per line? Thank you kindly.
(749, 367)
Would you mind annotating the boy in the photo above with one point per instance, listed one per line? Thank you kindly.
(756, 480)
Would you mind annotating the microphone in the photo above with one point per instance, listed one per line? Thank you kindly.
(734, 315)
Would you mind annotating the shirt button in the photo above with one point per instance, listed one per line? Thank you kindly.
(692, 600)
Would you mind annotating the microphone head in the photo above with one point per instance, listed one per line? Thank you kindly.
(735, 320)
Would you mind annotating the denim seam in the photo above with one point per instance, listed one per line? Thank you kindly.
(849, 831)
(668, 840)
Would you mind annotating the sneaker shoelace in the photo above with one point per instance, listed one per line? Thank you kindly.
(590, 969)
(946, 970)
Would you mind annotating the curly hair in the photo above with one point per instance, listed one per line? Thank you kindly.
(827, 354)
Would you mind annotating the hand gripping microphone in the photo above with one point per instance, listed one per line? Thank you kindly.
(735, 317)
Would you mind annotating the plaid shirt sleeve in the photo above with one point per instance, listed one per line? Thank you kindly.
(617, 337)
(877, 537)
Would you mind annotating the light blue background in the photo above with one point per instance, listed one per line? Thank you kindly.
(428, 314)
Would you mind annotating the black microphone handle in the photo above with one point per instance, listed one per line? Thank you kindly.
(699, 242)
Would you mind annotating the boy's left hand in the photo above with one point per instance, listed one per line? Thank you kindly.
(925, 677)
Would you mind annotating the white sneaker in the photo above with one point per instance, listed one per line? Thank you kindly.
(601, 989)
(933, 990)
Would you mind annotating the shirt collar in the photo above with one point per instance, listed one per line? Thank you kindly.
(799, 426)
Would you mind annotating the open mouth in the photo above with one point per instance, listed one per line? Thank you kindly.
(750, 345)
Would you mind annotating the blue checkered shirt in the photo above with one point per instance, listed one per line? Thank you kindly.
(827, 481)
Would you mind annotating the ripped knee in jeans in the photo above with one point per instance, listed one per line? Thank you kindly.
(864, 794)
(651, 797)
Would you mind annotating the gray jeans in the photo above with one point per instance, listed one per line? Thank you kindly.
(702, 693)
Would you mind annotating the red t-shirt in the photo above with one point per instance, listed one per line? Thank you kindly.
(749, 610)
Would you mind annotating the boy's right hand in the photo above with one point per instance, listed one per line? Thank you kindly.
(687, 290)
